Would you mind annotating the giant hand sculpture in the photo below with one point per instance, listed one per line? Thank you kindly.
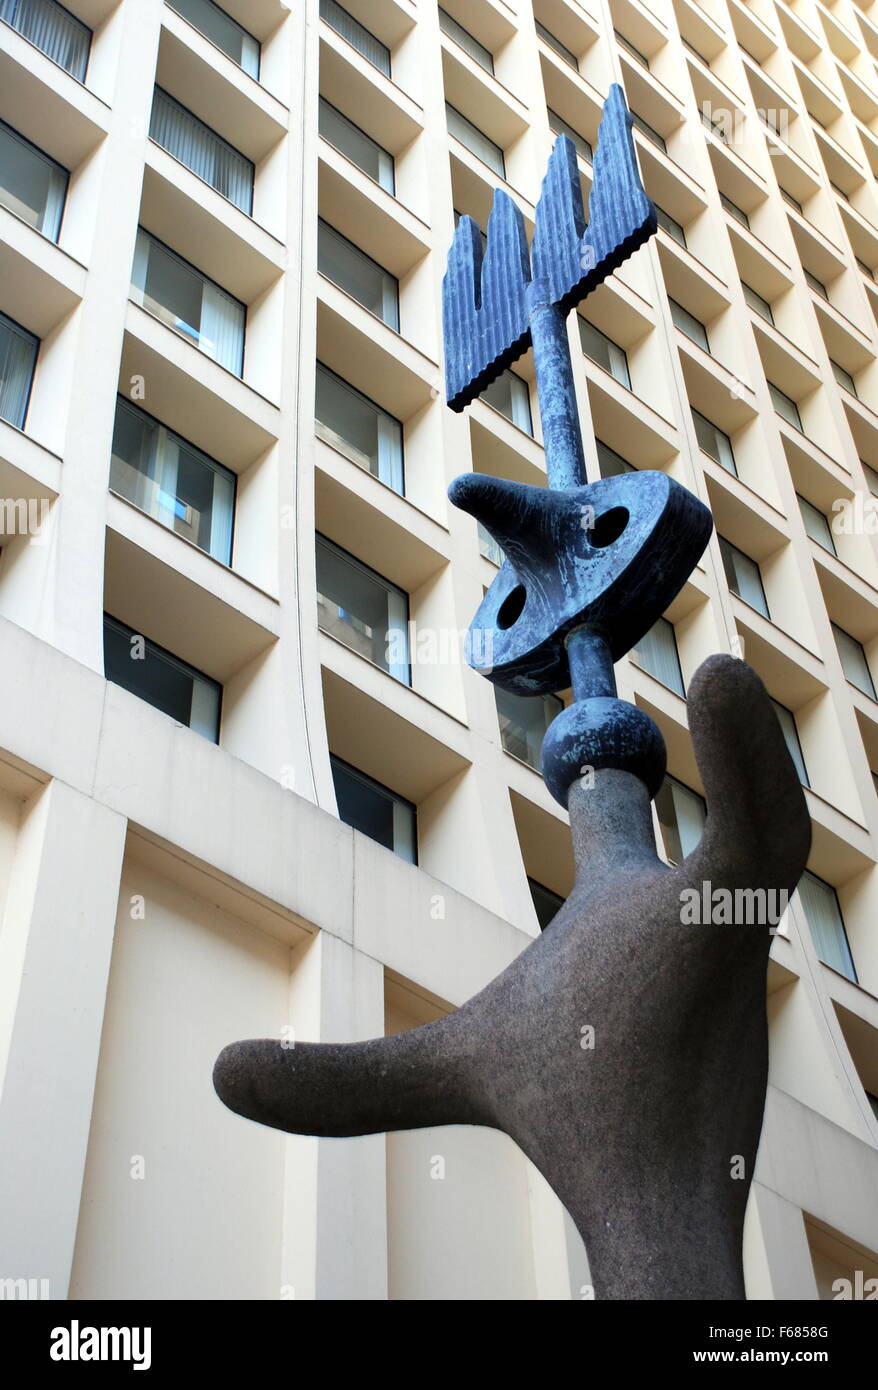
(649, 1138)
(648, 1132)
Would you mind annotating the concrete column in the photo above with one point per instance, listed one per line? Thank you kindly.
(55, 947)
(777, 1257)
(335, 1217)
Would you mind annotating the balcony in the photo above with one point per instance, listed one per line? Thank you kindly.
(53, 30)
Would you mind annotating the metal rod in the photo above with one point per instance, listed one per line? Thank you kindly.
(562, 435)
(591, 665)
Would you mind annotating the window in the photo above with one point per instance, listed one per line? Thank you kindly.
(834, 186)
(173, 481)
(560, 127)
(671, 225)
(363, 610)
(610, 463)
(489, 547)
(687, 323)
(18, 358)
(713, 126)
(843, 377)
(51, 29)
(32, 185)
(694, 51)
(222, 30)
(374, 161)
(743, 576)
(561, 49)
(866, 269)
(681, 815)
(785, 406)
(375, 810)
(359, 428)
(871, 478)
(656, 653)
(816, 525)
(793, 202)
(630, 48)
(757, 303)
(194, 144)
(524, 720)
(787, 721)
(187, 301)
(646, 129)
(604, 352)
(820, 904)
(154, 675)
(357, 274)
(734, 211)
(475, 141)
(714, 442)
(357, 35)
(510, 395)
(546, 903)
(477, 51)
(816, 285)
(854, 661)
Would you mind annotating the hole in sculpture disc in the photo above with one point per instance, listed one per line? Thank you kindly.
(512, 607)
(608, 527)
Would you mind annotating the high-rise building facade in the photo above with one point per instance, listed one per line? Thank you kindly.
(248, 785)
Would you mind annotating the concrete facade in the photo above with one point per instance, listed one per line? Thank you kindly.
(160, 895)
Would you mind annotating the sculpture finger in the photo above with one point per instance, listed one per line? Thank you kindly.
(407, 1081)
(758, 832)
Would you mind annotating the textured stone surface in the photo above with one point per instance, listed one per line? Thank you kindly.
(640, 1135)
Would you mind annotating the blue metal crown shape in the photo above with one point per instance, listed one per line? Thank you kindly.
(485, 301)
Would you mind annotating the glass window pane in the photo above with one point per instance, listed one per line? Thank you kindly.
(154, 675)
(646, 129)
(53, 30)
(843, 377)
(561, 49)
(656, 653)
(357, 146)
(756, 302)
(631, 48)
(819, 902)
(670, 225)
(689, 324)
(188, 302)
(489, 547)
(374, 810)
(173, 481)
(785, 407)
(546, 903)
(357, 274)
(743, 576)
(602, 350)
(222, 30)
(854, 661)
(32, 185)
(364, 611)
(816, 525)
(18, 358)
(787, 722)
(715, 444)
(356, 34)
(610, 463)
(194, 144)
(734, 211)
(561, 127)
(509, 394)
(359, 428)
(475, 140)
(524, 720)
(816, 285)
(465, 40)
(681, 816)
